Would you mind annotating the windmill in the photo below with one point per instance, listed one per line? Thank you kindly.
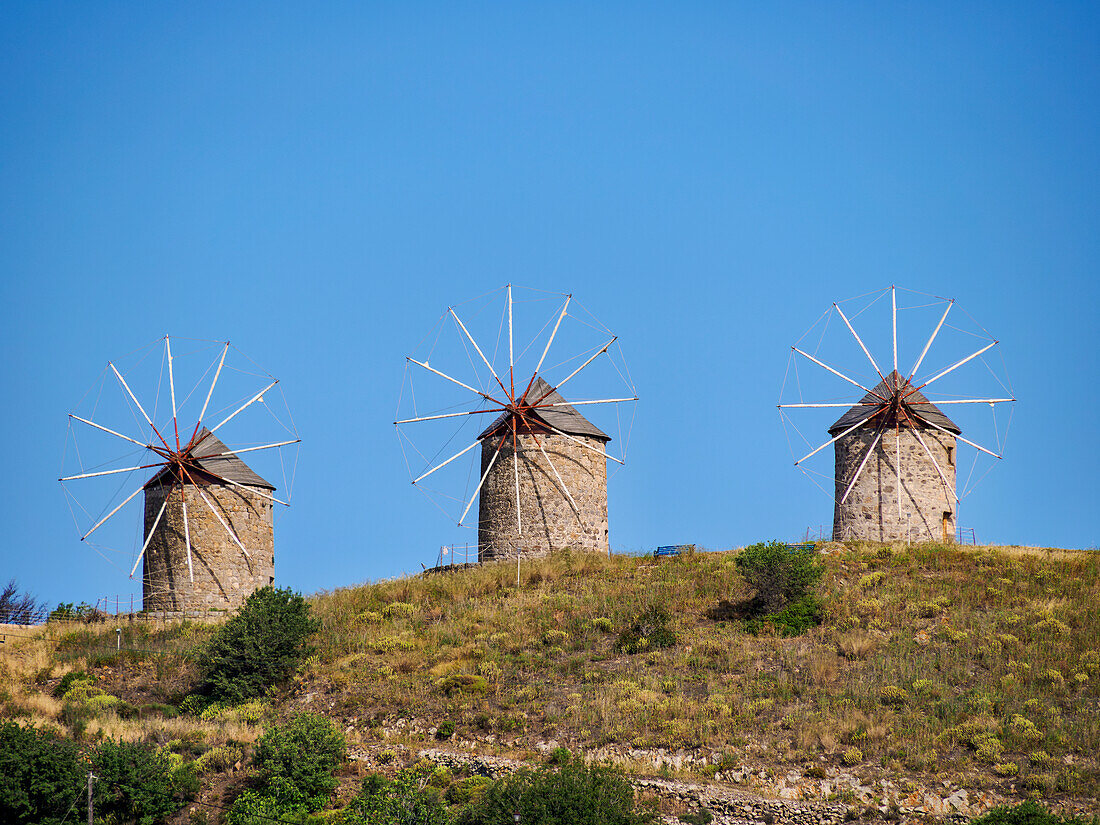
(896, 449)
(207, 526)
(492, 374)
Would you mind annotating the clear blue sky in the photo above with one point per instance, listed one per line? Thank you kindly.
(316, 182)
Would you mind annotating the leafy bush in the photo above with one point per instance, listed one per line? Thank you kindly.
(445, 730)
(648, 632)
(296, 760)
(1029, 813)
(573, 793)
(699, 817)
(41, 776)
(406, 800)
(779, 574)
(137, 783)
(793, 620)
(259, 647)
(462, 683)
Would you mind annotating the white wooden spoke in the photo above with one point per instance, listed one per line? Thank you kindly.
(445, 463)
(187, 534)
(511, 351)
(831, 440)
(112, 432)
(859, 340)
(252, 490)
(936, 426)
(152, 530)
(244, 406)
(99, 523)
(213, 383)
(553, 334)
(221, 521)
(932, 338)
(249, 449)
(479, 352)
(837, 373)
(840, 404)
(932, 458)
(484, 475)
(894, 313)
(604, 453)
(111, 472)
(974, 401)
(172, 389)
(897, 462)
(578, 369)
(952, 368)
(862, 464)
(133, 397)
(557, 475)
(582, 403)
(455, 381)
(446, 415)
(515, 467)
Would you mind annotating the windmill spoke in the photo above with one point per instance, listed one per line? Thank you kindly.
(859, 340)
(133, 398)
(952, 368)
(604, 453)
(831, 440)
(837, 372)
(445, 463)
(244, 406)
(187, 534)
(863, 463)
(221, 521)
(447, 415)
(253, 490)
(974, 401)
(841, 404)
(935, 332)
(210, 392)
(897, 463)
(581, 403)
(946, 486)
(557, 475)
(553, 334)
(578, 369)
(172, 388)
(894, 313)
(456, 381)
(484, 475)
(936, 426)
(479, 352)
(112, 472)
(112, 432)
(100, 523)
(250, 449)
(149, 538)
(511, 351)
(515, 467)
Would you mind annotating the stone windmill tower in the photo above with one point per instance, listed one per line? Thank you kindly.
(211, 538)
(894, 477)
(879, 499)
(561, 485)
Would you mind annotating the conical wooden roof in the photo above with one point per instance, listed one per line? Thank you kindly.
(207, 454)
(564, 418)
(916, 402)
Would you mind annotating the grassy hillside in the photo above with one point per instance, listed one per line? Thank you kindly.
(977, 666)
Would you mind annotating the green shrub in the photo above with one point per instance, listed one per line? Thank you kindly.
(699, 817)
(779, 574)
(462, 683)
(793, 620)
(297, 760)
(259, 647)
(1029, 813)
(445, 730)
(69, 680)
(403, 801)
(41, 775)
(138, 783)
(649, 631)
(573, 792)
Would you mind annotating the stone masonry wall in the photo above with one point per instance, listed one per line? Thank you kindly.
(871, 509)
(224, 577)
(548, 520)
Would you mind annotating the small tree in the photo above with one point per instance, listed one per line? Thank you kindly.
(406, 800)
(259, 647)
(41, 776)
(297, 760)
(137, 783)
(780, 574)
(16, 607)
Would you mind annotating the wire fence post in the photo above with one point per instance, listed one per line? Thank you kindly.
(91, 815)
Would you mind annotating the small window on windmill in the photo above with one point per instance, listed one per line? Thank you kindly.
(951, 456)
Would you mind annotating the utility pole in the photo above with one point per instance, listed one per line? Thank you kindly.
(91, 778)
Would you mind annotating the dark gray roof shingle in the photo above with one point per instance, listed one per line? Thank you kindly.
(225, 466)
(564, 418)
(915, 402)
